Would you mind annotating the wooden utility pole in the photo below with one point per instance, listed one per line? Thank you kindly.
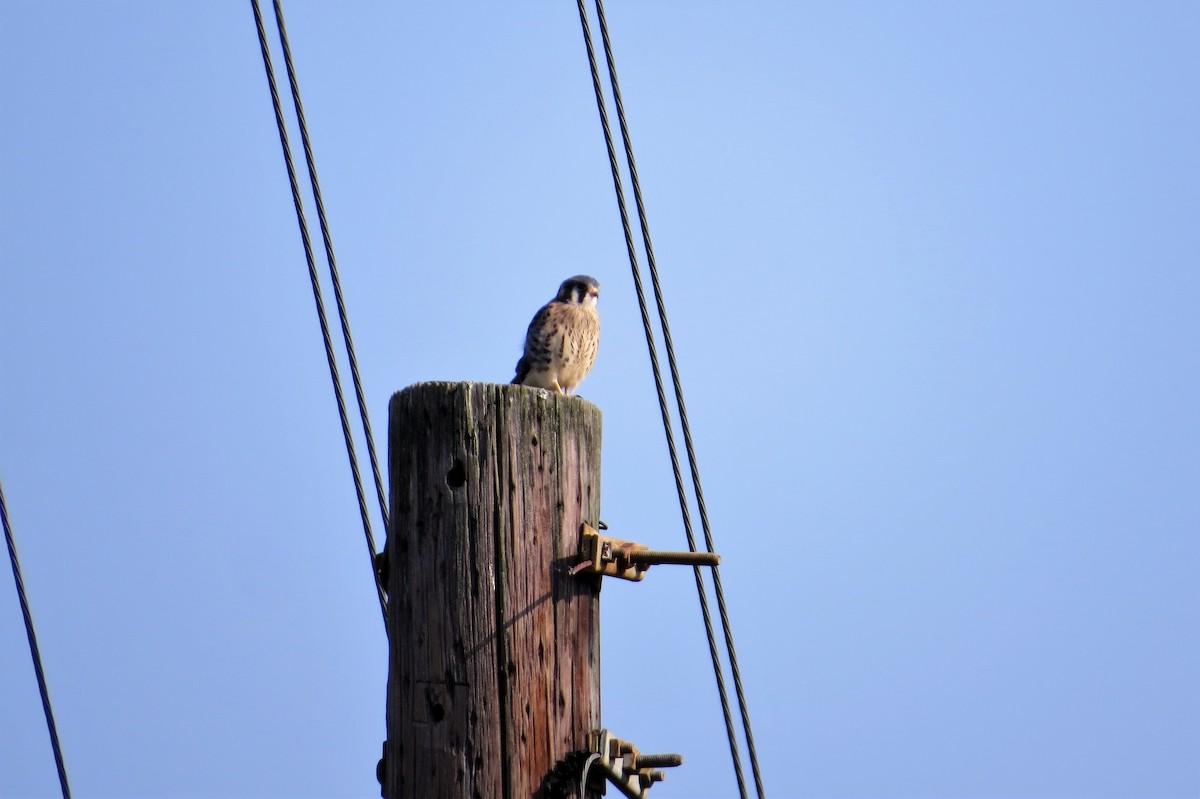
(494, 665)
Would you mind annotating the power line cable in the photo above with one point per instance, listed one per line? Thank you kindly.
(631, 249)
(320, 303)
(34, 651)
(683, 417)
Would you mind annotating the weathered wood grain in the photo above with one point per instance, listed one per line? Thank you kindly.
(494, 667)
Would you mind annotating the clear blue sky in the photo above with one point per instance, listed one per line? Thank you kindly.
(933, 270)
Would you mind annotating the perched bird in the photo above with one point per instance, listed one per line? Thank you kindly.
(560, 346)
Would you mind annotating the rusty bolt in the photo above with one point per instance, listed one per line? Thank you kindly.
(655, 556)
(659, 761)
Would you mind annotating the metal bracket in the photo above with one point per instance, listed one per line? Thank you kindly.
(612, 557)
(621, 764)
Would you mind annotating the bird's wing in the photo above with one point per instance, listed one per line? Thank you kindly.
(535, 347)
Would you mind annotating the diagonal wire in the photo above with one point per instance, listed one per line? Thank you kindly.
(316, 287)
(662, 399)
(33, 648)
(332, 261)
(683, 417)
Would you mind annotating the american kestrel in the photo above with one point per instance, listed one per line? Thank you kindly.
(560, 346)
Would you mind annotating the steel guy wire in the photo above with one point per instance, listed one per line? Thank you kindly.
(662, 398)
(316, 287)
(677, 385)
(34, 651)
(332, 261)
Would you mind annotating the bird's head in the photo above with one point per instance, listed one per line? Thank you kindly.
(581, 290)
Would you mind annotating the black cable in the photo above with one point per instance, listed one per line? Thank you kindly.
(316, 287)
(332, 261)
(683, 417)
(662, 399)
(33, 648)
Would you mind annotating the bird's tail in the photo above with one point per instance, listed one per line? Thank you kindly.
(522, 372)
